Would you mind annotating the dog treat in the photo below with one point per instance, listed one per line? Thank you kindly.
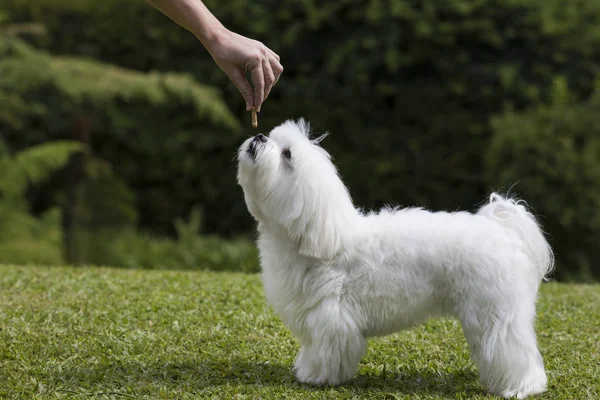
(254, 118)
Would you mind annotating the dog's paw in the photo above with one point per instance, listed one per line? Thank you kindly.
(306, 376)
(529, 389)
(316, 378)
(315, 368)
(535, 382)
(521, 394)
(307, 373)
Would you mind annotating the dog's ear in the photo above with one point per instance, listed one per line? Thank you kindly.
(320, 237)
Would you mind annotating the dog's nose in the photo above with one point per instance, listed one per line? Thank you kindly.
(260, 138)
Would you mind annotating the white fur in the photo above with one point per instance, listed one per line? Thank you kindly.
(337, 276)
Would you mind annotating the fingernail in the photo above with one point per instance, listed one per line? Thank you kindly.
(258, 109)
(248, 107)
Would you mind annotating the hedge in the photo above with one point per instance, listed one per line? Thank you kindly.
(407, 88)
(552, 156)
(167, 136)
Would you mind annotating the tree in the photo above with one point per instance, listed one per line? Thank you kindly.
(552, 155)
(24, 238)
(406, 87)
(167, 136)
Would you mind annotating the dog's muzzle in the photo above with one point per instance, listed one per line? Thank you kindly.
(257, 141)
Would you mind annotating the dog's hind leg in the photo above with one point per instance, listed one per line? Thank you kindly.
(332, 352)
(503, 346)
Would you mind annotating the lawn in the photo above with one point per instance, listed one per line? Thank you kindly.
(108, 333)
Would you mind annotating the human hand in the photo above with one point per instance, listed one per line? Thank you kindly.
(236, 55)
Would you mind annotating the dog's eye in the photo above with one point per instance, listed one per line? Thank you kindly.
(287, 154)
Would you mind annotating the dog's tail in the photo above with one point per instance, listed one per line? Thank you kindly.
(513, 214)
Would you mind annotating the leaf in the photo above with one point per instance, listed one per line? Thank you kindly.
(34, 165)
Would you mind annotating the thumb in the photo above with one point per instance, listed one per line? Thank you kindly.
(244, 87)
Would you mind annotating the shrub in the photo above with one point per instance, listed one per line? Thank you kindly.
(553, 154)
(406, 87)
(25, 239)
(170, 138)
(190, 250)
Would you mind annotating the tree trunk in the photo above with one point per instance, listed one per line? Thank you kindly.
(75, 175)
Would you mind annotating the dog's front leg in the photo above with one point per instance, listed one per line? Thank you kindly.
(332, 352)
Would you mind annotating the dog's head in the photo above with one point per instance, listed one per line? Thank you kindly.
(292, 188)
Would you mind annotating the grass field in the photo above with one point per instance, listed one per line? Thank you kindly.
(106, 333)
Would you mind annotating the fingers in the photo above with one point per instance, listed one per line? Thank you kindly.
(258, 80)
(238, 78)
(269, 77)
(265, 77)
(265, 70)
(276, 67)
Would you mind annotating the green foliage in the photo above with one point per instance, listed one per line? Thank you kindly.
(130, 249)
(190, 250)
(104, 207)
(163, 133)
(406, 87)
(553, 154)
(90, 86)
(32, 166)
(25, 239)
(103, 333)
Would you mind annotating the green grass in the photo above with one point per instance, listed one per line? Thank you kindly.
(104, 333)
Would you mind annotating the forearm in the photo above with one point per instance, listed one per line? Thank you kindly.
(234, 54)
(193, 16)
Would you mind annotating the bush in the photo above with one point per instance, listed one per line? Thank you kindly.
(406, 87)
(170, 138)
(553, 154)
(25, 239)
(130, 249)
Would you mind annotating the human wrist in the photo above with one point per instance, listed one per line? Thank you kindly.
(210, 34)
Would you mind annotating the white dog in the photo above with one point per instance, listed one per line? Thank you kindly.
(336, 276)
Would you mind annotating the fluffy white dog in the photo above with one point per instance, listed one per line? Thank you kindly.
(336, 276)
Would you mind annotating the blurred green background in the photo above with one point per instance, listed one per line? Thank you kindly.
(118, 131)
